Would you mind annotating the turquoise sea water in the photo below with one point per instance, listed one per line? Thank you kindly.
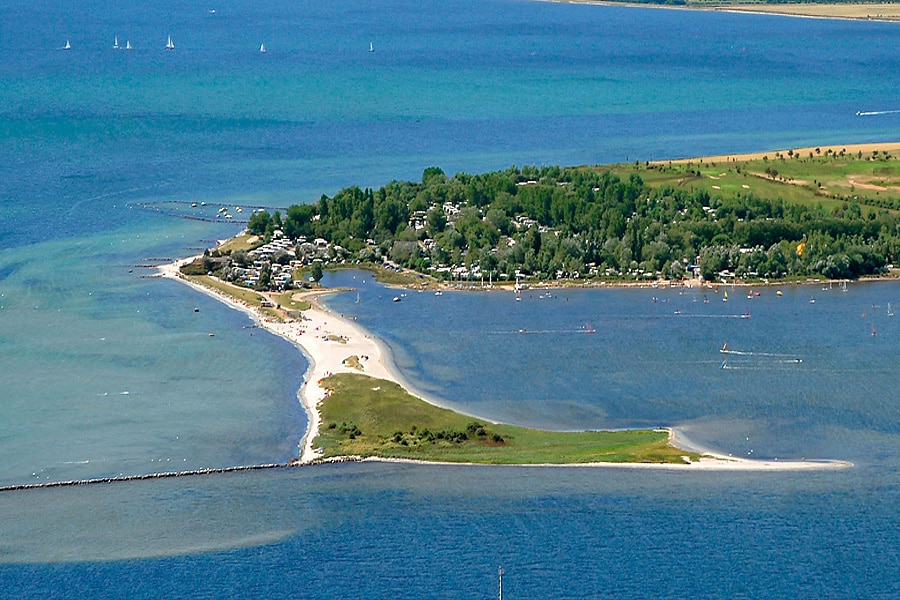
(104, 370)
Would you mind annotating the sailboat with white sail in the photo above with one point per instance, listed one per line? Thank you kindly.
(116, 44)
(170, 45)
(262, 49)
(127, 45)
(68, 46)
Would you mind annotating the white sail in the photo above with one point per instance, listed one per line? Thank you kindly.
(127, 45)
(68, 46)
(262, 48)
(371, 47)
(170, 45)
(116, 43)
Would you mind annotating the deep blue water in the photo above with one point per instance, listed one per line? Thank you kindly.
(104, 370)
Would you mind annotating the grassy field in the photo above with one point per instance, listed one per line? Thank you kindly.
(290, 300)
(247, 295)
(371, 417)
(252, 297)
(244, 241)
(826, 176)
(406, 278)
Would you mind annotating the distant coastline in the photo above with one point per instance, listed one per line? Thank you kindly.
(865, 148)
(887, 12)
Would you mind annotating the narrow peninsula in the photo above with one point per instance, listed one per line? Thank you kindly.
(777, 217)
(359, 409)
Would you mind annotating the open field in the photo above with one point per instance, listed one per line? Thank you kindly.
(370, 417)
(875, 12)
(831, 176)
(244, 241)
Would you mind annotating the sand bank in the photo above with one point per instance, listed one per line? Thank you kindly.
(866, 149)
(328, 340)
(854, 12)
(837, 10)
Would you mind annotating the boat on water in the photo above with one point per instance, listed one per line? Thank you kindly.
(116, 44)
(169, 44)
(127, 45)
(68, 46)
(890, 313)
(371, 47)
(262, 49)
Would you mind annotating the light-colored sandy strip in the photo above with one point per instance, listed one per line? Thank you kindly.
(705, 464)
(866, 149)
(328, 340)
(825, 10)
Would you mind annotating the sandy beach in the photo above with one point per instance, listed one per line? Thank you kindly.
(839, 10)
(328, 340)
(889, 147)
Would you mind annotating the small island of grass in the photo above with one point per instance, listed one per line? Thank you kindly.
(367, 417)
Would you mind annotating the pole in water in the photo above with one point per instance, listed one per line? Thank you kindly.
(500, 575)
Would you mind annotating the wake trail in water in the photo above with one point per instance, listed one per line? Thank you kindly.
(525, 331)
(131, 190)
(875, 113)
(684, 316)
(786, 357)
(776, 366)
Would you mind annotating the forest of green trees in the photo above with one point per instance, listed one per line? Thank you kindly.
(554, 222)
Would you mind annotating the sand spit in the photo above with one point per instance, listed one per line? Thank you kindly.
(866, 149)
(827, 10)
(330, 342)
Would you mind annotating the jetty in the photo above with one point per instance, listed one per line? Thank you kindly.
(143, 477)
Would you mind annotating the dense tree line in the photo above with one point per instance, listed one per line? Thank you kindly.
(550, 222)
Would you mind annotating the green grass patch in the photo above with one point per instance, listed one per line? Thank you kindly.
(241, 242)
(242, 294)
(405, 278)
(290, 301)
(375, 418)
(830, 178)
